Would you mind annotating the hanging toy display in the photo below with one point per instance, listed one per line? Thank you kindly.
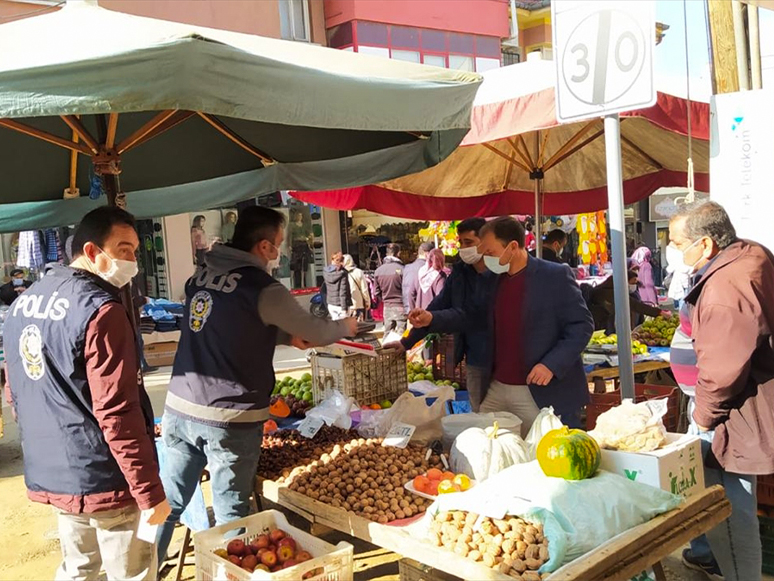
(592, 234)
(444, 234)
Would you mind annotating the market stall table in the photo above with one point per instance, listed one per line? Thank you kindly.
(622, 557)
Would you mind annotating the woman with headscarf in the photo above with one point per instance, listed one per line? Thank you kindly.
(358, 287)
(646, 286)
(431, 279)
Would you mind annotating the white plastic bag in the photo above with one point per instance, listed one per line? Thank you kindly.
(453, 425)
(370, 421)
(632, 427)
(334, 410)
(544, 423)
(414, 411)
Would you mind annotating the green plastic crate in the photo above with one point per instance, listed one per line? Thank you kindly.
(767, 544)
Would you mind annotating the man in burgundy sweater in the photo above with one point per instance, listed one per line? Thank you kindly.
(85, 420)
(540, 326)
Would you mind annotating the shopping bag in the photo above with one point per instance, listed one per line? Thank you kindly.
(415, 411)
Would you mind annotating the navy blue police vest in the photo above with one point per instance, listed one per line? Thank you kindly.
(223, 373)
(64, 449)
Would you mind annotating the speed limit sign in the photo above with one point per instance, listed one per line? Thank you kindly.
(603, 53)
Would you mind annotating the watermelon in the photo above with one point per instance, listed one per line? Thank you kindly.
(569, 454)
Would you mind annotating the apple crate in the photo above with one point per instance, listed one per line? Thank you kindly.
(443, 355)
(366, 379)
(335, 562)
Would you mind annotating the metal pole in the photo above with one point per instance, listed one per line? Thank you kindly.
(538, 209)
(617, 229)
(755, 47)
(740, 39)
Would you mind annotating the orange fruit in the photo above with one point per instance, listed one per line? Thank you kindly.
(447, 475)
(432, 487)
(447, 486)
(463, 481)
(421, 483)
(434, 474)
(375, 406)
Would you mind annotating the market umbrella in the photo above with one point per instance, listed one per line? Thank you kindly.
(195, 118)
(516, 149)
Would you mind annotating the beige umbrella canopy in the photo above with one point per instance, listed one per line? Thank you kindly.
(515, 145)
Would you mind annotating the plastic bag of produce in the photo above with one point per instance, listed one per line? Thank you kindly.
(544, 423)
(334, 410)
(577, 516)
(369, 422)
(424, 412)
(632, 427)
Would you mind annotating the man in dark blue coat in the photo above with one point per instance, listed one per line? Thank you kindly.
(539, 325)
(462, 308)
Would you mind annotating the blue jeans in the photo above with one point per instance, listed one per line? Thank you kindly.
(231, 455)
(736, 542)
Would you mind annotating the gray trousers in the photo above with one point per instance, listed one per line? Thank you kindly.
(516, 399)
(476, 382)
(105, 539)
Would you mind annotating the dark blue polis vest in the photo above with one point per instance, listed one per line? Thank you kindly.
(224, 373)
(64, 449)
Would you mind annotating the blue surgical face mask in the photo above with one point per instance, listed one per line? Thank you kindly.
(18, 282)
(493, 263)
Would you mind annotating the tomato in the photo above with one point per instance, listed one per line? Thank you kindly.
(421, 483)
(434, 474)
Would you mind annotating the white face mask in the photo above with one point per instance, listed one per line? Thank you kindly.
(493, 264)
(121, 271)
(675, 262)
(273, 264)
(681, 265)
(632, 288)
(470, 255)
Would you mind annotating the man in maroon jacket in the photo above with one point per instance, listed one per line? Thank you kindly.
(85, 420)
(732, 304)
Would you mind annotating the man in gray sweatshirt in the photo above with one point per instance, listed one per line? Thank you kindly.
(223, 375)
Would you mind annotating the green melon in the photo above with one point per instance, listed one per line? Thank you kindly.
(569, 454)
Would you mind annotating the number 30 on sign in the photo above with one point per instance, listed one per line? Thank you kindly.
(604, 56)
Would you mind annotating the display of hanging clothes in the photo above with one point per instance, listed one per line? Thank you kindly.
(30, 251)
(53, 246)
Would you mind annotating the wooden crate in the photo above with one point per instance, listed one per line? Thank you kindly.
(411, 570)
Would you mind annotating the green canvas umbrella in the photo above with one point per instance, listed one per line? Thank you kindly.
(193, 118)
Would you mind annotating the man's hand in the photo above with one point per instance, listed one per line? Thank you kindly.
(395, 346)
(540, 375)
(158, 514)
(300, 343)
(351, 324)
(420, 318)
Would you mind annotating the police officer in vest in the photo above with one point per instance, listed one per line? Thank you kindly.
(223, 375)
(85, 420)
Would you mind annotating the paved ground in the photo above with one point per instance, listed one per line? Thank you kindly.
(28, 540)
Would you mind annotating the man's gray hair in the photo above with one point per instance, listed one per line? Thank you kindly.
(708, 219)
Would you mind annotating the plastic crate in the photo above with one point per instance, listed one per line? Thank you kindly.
(599, 403)
(445, 367)
(367, 379)
(336, 562)
(767, 544)
(411, 570)
(766, 490)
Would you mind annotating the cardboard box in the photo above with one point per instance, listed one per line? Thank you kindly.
(677, 468)
(161, 354)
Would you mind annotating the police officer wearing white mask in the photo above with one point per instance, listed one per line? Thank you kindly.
(85, 420)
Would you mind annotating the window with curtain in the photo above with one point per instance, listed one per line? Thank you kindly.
(294, 20)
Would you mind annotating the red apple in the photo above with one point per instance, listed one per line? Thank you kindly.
(261, 552)
(289, 564)
(261, 542)
(277, 535)
(285, 553)
(236, 547)
(288, 541)
(303, 556)
(236, 560)
(250, 562)
(269, 558)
